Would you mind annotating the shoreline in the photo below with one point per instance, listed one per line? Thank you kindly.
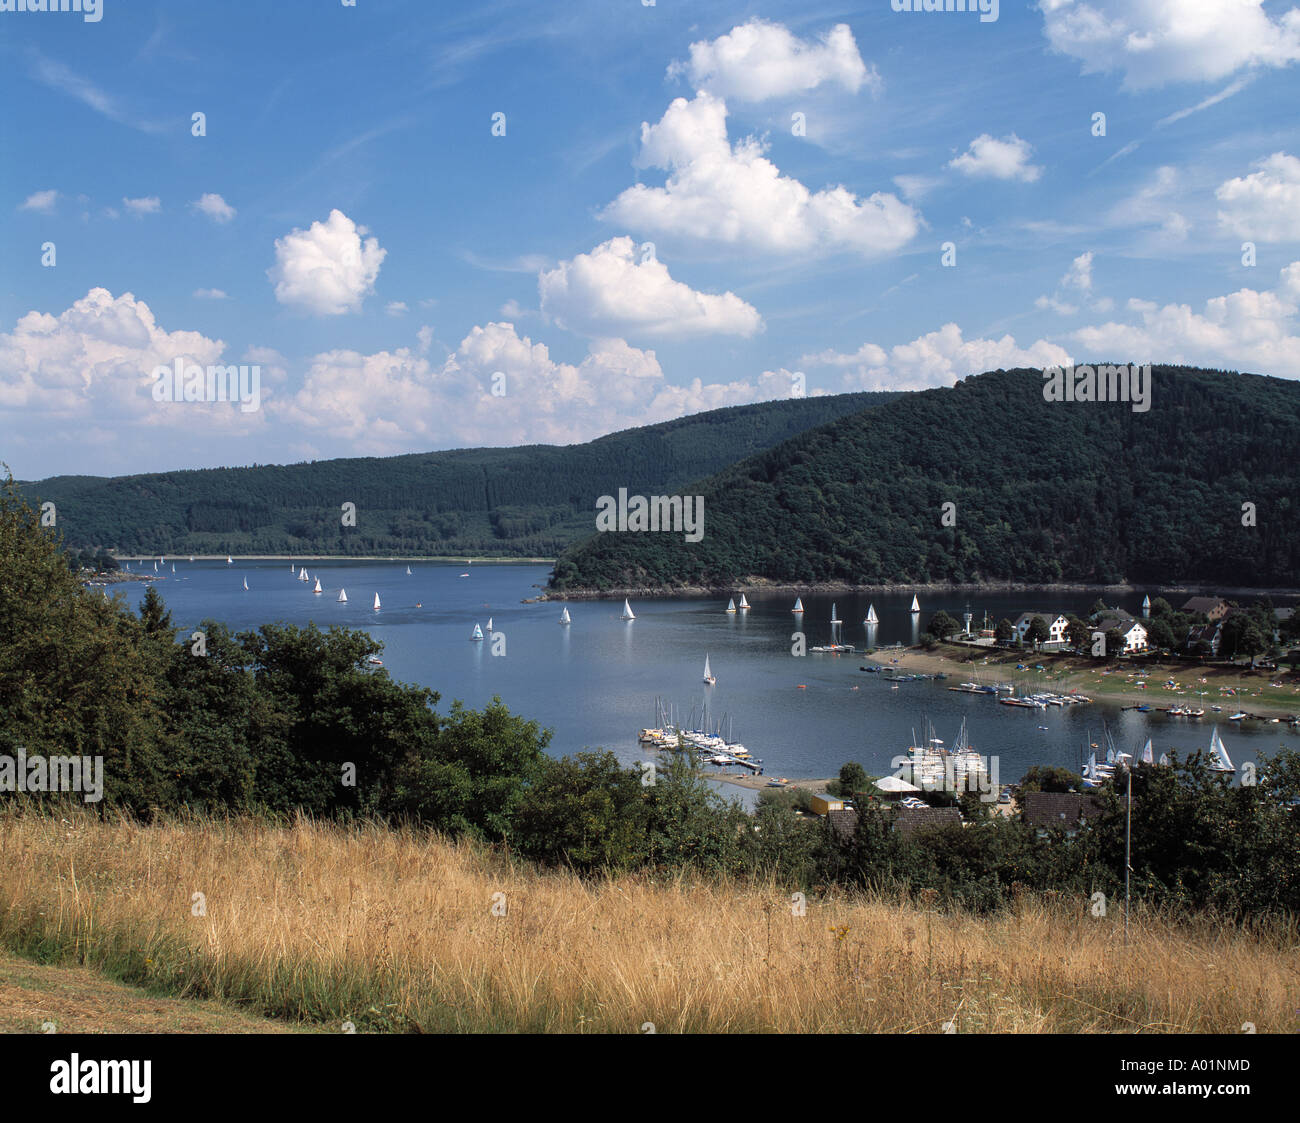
(459, 559)
(760, 586)
(1063, 673)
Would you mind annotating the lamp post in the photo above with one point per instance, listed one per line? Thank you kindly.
(1128, 841)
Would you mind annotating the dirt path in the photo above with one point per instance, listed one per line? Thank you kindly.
(80, 1000)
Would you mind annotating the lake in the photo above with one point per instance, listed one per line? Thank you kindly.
(595, 683)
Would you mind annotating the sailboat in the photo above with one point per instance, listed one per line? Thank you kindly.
(408, 571)
(318, 590)
(798, 605)
(628, 614)
(230, 560)
(872, 618)
(376, 602)
(708, 674)
(916, 605)
(343, 596)
(489, 625)
(173, 567)
(1164, 760)
(155, 567)
(1219, 759)
(731, 605)
(245, 584)
(743, 602)
(191, 557)
(834, 617)
(1148, 755)
(476, 634)
(564, 616)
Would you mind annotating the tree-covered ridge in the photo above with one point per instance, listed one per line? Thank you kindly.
(1043, 492)
(533, 500)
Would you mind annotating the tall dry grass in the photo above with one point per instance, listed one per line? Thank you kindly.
(394, 930)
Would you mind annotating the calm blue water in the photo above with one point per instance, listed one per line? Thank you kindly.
(595, 683)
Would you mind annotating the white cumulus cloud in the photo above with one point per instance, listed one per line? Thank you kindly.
(616, 289)
(42, 201)
(1156, 42)
(215, 207)
(989, 157)
(734, 196)
(1264, 205)
(760, 60)
(938, 358)
(327, 270)
(149, 204)
(95, 362)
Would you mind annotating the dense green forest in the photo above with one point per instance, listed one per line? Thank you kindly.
(511, 502)
(1042, 492)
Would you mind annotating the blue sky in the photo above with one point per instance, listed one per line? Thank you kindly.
(350, 224)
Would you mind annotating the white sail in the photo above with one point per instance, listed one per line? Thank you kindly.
(1148, 755)
(318, 590)
(155, 567)
(230, 560)
(872, 618)
(343, 596)
(477, 634)
(191, 557)
(564, 616)
(376, 602)
(245, 584)
(173, 567)
(1219, 759)
(708, 674)
(834, 616)
(1164, 760)
(743, 602)
(731, 605)
(489, 625)
(798, 605)
(916, 605)
(408, 571)
(628, 614)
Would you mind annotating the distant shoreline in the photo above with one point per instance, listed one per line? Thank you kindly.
(449, 558)
(754, 585)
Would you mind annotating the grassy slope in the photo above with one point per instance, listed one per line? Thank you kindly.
(395, 930)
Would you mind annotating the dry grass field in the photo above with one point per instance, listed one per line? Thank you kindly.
(320, 925)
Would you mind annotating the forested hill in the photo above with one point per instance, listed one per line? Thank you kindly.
(1043, 492)
(509, 502)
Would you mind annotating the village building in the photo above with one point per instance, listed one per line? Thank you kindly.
(1215, 608)
(1207, 634)
(1132, 632)
(1057, 627)
(1058, 810)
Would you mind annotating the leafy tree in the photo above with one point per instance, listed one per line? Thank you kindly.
(853, 778)
(1049, 778)
(1005, 631)
(1160, 634)
(943, 625)
(1077, 632)
(1038, 631)
(1160, 607)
